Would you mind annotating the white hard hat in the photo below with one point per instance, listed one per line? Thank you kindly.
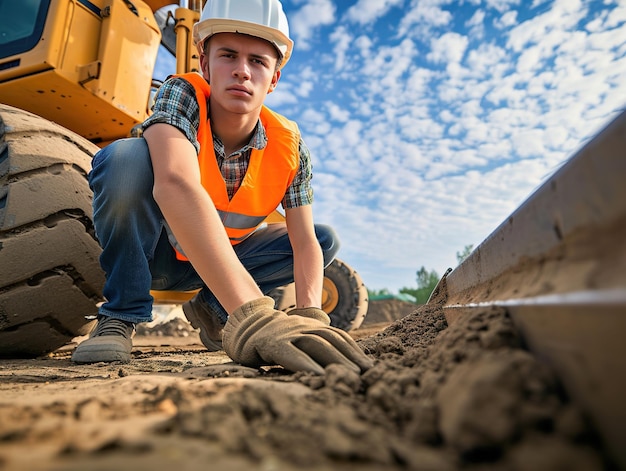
(261, 18)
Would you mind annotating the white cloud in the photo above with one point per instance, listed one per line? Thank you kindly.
(449, 47)
(501, 5)
(386, 68)
(368, 11)
(363, 44)
(337, 113)
(476, 24)
(486, 60)
(342, 41)
(506, 20)
(414, 129)
(283, 95)
(311, 15)
(530, 61)
(421, 16)
(617, 16)
(563, 16)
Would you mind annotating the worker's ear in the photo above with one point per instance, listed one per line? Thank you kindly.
(274, 81)
(204, 67)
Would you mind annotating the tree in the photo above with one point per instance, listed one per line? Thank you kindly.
(460, 256)
(426, 282)
(377, 292)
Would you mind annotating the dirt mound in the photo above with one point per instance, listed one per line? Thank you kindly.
(466, 396)
(387, 310)
(176, 327)
(437, 399)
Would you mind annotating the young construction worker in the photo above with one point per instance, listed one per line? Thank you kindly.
(182, 208)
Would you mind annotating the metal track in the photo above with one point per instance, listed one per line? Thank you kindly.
(558, 265)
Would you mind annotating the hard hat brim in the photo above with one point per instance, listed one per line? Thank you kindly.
(207, 28)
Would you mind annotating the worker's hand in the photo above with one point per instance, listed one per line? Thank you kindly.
(256, 334)
(310, 312)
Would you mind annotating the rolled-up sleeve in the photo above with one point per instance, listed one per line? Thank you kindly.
(176, 105)
(300, 192)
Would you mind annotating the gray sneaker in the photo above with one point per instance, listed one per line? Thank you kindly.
(200, 316)
(111, 340)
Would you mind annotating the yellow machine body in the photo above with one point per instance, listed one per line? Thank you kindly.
(91, 67)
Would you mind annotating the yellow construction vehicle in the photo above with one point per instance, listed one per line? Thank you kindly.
(74, 76)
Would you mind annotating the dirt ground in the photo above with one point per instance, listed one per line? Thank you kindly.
(466, 396)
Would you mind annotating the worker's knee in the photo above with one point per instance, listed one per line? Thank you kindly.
(123, 170)
(329, 242)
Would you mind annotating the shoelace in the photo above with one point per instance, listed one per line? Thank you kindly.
(111, 326)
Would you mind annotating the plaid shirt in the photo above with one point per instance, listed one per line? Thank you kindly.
(176, 104)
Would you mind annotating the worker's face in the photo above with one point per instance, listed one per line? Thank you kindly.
(241, 70)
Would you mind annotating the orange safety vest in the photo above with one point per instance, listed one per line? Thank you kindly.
(270, 171)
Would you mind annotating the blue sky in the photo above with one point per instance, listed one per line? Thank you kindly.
(430, 121)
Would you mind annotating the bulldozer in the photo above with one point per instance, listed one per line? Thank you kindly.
(76, 75)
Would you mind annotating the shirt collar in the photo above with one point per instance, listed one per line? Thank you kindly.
(257, 141)
(259, 137)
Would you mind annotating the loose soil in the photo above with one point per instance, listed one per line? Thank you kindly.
(466, 396)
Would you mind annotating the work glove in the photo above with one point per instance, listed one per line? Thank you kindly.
(256, 334)
(310, 312)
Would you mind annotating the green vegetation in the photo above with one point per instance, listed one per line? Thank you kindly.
(460, 256)
(378, 293)
(426, 282)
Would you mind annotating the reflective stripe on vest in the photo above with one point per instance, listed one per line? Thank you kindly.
(270, 170)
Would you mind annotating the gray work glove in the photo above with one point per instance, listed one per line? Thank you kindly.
(310, 312)
(256, 334)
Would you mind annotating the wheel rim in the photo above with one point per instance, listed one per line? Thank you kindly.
(330, 296)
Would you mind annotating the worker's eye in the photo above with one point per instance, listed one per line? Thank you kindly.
(260, 61)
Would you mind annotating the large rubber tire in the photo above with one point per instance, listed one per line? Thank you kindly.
(345, 297)
(50, 277)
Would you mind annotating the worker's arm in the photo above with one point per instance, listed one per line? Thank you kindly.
(308, 262)
(256, 334)
(193, 218)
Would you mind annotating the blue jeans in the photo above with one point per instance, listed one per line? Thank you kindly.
(137, 255)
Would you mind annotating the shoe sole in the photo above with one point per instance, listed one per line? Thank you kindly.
(101, 349)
